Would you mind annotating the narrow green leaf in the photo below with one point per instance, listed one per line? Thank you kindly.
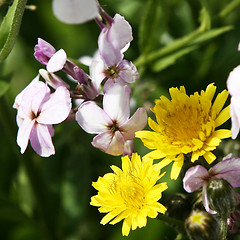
(10, 27)
(171, 59)
(3, 87)
(147, 25)
(165, 62)
(211, 34)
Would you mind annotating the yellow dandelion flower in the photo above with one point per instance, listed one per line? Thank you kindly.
(130, 194)
(186, 124)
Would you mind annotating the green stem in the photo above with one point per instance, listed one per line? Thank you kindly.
(38, 185)
(172, 47)
(177, 224)
(229, 8)
(223, 227)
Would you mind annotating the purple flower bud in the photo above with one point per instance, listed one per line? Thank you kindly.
(80, 75)
(43, 51)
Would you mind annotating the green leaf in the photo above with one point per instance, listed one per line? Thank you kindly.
(3, 87)
(147, 25)
(171, 59)
(211, 34)
(10, 27)
(165, 62)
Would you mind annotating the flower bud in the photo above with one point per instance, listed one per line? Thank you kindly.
(201, 225)
(221, 196)
(52, 79)
(178, 206)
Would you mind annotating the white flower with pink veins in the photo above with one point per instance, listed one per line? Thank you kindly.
(38, 109)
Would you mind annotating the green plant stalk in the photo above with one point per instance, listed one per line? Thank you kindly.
(172, 221)
(229, 8)
(223, 227)
(172, 47)
(38, 185)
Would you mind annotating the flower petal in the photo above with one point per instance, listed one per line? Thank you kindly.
(41, 140)
(195, 178)
(97, 71)
(34, 97)
(177, 166)
(92, 118)
(120, 32)
(52, 79)
(75, 11)
(235, 116)
(229, 170)
(110, 55)
(24, 132)
(136, 123)
(205, 200)
(128, 148)
(18, 98)
(128, 72)
(110, 143)
(57, 108)
(116, 103)
(233, 82)
(57, 61)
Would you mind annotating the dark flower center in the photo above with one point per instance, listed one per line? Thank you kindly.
(114, 127)
(112, 72)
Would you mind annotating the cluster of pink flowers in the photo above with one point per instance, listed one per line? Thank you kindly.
(40, 105)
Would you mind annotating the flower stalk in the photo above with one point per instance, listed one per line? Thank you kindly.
(223, 227)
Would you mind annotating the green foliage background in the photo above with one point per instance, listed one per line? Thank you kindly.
(48, 198)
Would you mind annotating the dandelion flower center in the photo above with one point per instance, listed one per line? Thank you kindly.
(132, 194)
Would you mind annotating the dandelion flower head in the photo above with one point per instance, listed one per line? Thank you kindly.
(130, 194)
(186, 125)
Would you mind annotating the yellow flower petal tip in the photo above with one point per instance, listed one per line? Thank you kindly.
(130, 194)
(187, 125)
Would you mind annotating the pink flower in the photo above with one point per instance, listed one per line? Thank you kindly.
(198, 176)
(109, 64)
(112, 123)
(38, 110)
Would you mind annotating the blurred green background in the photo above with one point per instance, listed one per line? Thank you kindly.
(48, 198)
